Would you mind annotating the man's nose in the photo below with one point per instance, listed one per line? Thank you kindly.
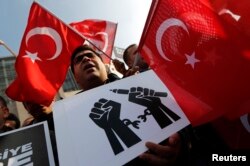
(85, 59)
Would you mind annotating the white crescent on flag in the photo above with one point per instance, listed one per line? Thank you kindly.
(49, 32)
(162, 28)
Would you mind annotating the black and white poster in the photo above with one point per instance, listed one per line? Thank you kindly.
(110, 124)
(26, 146)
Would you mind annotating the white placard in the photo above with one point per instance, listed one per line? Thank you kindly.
(90, 126)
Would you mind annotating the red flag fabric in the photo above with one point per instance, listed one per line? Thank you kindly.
(44, 57)
(202, 57)
(234, 12)
(100, 32)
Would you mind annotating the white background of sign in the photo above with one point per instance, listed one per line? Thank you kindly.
(81, 142)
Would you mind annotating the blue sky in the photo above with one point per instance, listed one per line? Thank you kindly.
(129, 14)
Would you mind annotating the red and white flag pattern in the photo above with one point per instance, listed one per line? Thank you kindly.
(44, 57)
(202, 54)
(99, 32)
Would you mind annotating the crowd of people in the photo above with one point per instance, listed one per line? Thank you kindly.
(189, 146)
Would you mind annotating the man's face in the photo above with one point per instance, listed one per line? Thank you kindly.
(132, 51)
(37, 110)
(1, 117)
(89, 70)
(134, 59)
(4, 110)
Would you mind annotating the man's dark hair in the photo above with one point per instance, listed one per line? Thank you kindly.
(14, 118)
(125, 53)
(79, 49)
(3, 101)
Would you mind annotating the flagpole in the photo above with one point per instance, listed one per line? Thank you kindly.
(12, 53)
(74, 30)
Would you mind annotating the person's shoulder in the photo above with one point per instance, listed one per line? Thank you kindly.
(13, 117)
(6, 128)
(113, 77)
(28, 121)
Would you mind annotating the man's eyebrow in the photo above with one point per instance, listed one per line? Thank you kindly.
(84, 52)
(80, 54)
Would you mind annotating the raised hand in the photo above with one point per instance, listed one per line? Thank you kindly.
(143, 96)
(132, 71)
(102, 115)
(106, 114)
(151, 99)
(119, 66)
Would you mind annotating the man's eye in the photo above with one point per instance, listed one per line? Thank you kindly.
(78, 59)
(89, 55)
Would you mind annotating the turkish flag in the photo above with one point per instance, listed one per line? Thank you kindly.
(99, 32)
(202, 57)
(44, 57)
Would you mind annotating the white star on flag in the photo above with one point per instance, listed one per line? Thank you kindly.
(191, 60)
(33, 56)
